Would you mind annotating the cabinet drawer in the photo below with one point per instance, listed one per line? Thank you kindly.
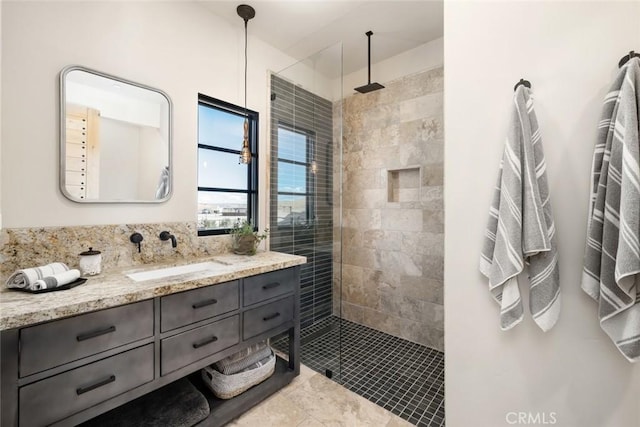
(267, 317)
(52, 344)
(199, 304)
(268, 285)
(185, 348)
(60, 396)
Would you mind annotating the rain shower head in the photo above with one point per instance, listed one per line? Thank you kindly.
(369, 87)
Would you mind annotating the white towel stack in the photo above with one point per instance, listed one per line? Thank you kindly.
(44, 277)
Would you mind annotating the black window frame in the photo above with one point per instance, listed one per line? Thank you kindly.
(252, 169)
(310, 178)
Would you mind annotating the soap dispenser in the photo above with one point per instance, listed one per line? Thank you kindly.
(90, 262)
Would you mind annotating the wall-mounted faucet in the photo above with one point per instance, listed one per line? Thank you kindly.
(165, 235)
(136, 238)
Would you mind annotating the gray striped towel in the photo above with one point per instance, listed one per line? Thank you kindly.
(612, 254)
(33, 278)
(240, 365)
(243, 358)
(521, 228)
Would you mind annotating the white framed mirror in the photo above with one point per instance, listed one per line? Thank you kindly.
(115, 139)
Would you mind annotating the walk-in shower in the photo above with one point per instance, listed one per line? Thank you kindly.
(356, 187)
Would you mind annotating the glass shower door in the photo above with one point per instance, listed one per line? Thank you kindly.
(305, 203)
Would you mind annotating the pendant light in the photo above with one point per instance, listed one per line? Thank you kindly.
(245, 12)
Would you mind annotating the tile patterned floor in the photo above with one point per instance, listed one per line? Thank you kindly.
(312, 400)
(398, 375)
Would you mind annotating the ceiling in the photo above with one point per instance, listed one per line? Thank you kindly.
(302, 28)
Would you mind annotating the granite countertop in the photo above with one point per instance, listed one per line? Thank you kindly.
(113, 288)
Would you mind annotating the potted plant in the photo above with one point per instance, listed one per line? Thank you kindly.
(245, 238)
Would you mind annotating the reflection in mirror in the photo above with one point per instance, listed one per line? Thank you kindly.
(115, 140)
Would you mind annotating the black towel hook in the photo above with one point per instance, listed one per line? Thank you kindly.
(626, 58)
(524, 82)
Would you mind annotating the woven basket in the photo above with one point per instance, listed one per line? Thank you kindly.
(228, 386)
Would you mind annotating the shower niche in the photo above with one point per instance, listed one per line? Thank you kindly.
(403, 185)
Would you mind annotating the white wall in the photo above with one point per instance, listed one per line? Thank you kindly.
(120, 152)
(569, 51)
(119, 106)
(181, 48)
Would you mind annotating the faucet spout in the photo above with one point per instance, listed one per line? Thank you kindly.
(165, 235)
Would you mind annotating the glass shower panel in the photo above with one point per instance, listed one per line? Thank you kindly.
(305, 196)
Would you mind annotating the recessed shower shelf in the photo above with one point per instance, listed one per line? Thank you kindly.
(403, 185)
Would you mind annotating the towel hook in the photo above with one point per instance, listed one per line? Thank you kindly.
(626, 58)
(525, 83)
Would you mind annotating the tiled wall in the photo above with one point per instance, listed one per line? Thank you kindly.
(310, 232)
(31, 247)
(392, 209)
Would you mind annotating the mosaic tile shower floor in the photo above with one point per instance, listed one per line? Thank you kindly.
(401, 376)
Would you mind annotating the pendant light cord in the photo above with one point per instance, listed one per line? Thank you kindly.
(245, 68)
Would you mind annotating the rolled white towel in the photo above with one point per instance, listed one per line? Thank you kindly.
(25, 278)
(55, 280)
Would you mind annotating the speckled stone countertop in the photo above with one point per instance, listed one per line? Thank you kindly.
(113, 288)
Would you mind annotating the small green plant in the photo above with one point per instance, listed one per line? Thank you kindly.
(245, 239)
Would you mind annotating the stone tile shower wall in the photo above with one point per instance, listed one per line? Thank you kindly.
(392, 209)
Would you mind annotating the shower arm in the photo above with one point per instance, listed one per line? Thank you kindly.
(369, 34)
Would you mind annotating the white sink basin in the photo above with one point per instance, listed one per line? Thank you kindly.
(161, 273)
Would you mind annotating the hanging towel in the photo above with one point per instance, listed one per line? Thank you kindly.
(26, 278)
(521, 230)
(612, 254)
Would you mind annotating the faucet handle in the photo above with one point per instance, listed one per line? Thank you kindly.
(136, 238)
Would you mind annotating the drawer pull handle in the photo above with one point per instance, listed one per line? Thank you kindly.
(271, 285)
(105, 381)
(94, 334)
(271, 317)
(205, 342)
(205, 303)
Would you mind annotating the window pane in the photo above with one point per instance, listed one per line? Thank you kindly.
(292, 145)
(292, 210)
(218, 210)
(220, 128)
(292, 178)
(221, 170)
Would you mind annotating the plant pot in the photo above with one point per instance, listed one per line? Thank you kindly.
(245, 245)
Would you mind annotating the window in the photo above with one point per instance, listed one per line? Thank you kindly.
(227, 190)
(295, 177)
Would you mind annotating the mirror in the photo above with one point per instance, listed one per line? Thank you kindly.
(115, 139)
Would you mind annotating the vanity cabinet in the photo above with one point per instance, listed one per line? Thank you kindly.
(69, 370)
